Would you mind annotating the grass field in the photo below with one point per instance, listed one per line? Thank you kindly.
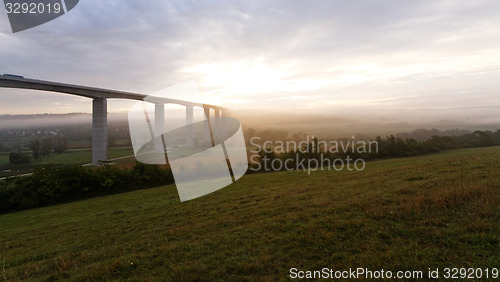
(416, 213)
(4, 159)
(73, 157)
(84, 156)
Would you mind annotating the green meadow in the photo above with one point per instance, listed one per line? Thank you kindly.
(434, 211)
(72, 157)
(83, 156)
(4, 159)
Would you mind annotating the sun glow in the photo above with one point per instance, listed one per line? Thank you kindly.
(244, 76)
(238, 82)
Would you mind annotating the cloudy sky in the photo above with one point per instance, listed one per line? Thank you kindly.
(392, 57)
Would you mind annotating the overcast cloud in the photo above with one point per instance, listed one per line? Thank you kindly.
(322, 56)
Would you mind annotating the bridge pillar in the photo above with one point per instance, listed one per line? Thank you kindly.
(189, 126)
(159, 127)
(207, 128)
(99, 130)
(218, 125)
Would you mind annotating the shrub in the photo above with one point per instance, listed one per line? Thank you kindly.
(19, 158)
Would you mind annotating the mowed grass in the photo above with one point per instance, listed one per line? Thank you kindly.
(432, 211)
(4, 159)
(74, 156)
(83, 156)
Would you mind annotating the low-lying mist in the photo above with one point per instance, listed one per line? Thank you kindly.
(344, 125)
(320, 124)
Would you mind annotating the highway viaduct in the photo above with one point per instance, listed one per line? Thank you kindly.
(99, 98)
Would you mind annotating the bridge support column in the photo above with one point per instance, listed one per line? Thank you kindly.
(99, 130)
(207, 128)
(189, 126)
(159, 127)
(218, 125)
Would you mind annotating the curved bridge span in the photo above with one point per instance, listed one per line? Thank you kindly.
(99, 98)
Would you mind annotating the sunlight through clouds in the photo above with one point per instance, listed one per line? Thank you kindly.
(243, 54)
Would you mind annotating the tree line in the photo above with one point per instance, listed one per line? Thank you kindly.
(49, 184)
(388, 147)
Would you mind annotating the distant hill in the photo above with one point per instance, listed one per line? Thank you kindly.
(320, 125)
(43, 120)
(51, 120)
(36, 116)
(334, 126)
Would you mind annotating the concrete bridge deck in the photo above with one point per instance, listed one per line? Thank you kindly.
(99, 105)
